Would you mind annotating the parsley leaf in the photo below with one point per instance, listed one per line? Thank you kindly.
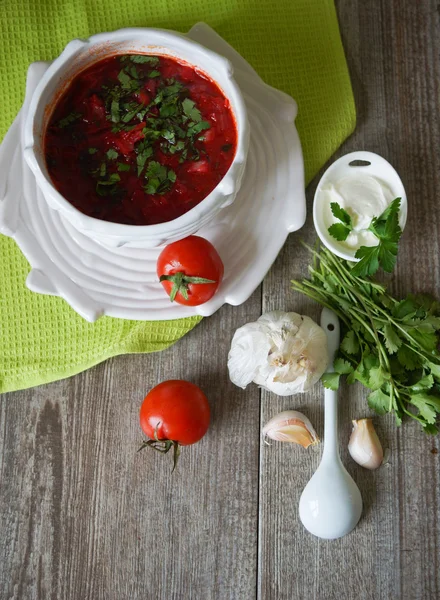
(107, 186)
(376, 378)
(191, 111)
(392, 340)
(143, 59)
(196, 128)
(330, 380)
(343, 367)
(132, 110)
(350, 343)
(387, 229)
(93, 150)
(341, 214)
(68, 120)
(114, 110)
(144, 153)
(123, 167)
(428, 406)
(424, 383)
(339, 231)
(111, 154)
(408, 358)
(435, 370)
(369, 263)
(125, 80)
(159, 179)
(424, 334)
(379, 402)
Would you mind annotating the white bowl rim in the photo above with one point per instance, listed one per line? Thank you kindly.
(122, 230)
(365, 156)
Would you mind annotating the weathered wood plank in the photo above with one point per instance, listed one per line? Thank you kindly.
(85, 516)
(392, 49)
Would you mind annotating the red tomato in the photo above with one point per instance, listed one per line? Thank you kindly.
(190, 270)
(177, 411)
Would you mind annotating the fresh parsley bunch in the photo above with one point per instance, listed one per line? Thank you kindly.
(390, 346)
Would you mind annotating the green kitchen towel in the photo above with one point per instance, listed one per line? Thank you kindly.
(293, 44)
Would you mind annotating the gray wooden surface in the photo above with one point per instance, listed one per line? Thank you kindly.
(82, 516)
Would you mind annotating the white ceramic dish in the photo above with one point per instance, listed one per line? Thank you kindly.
(375, 166)
(80, 54)
(122, 282)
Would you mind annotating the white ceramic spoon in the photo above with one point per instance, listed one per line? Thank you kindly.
(331, 503)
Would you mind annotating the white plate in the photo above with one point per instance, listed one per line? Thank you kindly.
(122, 282)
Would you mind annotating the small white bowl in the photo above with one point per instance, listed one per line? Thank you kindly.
(373, 165)
(78, 55)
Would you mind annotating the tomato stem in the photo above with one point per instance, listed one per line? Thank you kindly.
(181, 282)
(163, 446)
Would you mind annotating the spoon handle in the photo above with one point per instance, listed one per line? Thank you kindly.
(331, 442)
(330, 324)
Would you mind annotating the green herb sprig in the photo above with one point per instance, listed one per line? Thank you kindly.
(387, 230)
(390, 346)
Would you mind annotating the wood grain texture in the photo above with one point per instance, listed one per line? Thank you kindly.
(83, 516)
(393, 53)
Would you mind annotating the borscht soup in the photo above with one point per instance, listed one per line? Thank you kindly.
(139, 139)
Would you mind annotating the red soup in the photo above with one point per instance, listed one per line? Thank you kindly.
(139, 139)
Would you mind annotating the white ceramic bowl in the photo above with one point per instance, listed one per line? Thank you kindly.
(77, 56)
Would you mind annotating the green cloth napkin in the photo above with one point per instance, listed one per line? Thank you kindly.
(293, 44)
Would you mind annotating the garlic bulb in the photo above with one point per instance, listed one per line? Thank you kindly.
(291, 426)
(364, 445)
(285, 353)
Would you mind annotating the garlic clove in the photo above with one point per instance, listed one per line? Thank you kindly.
(291, 426)
(364, 445)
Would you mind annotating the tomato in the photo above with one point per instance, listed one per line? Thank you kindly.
(174, 413)
(190, 270)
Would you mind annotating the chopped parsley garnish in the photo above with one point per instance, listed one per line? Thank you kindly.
(111, 154)
(159, 178)
(171, 118)
(70, 118)
(132, 109)
(93, 150)
(141, 59)
(127, 82)
(144, 153)
(114, 110)
(191, 111)
(196, 128)
(107, 186)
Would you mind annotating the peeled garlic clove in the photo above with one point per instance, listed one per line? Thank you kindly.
(364, 445)
(291, 426)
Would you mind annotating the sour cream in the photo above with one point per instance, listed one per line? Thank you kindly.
(363, 197)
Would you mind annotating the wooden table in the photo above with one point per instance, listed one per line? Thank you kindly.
(83, 516)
